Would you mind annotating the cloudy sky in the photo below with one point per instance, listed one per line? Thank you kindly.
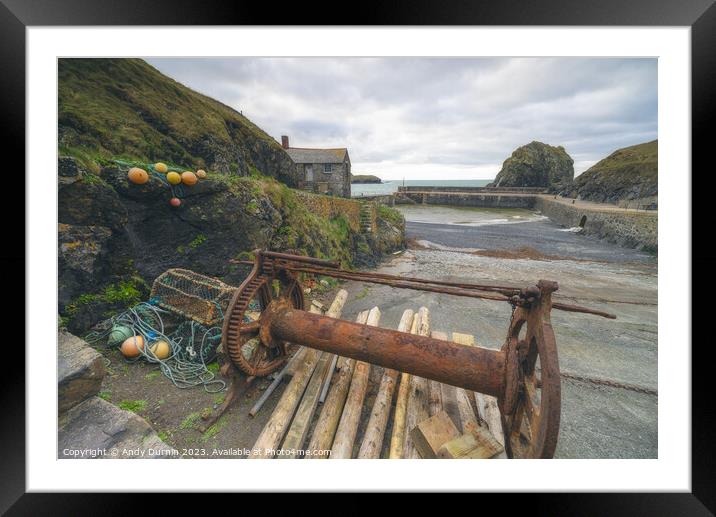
(436, 118)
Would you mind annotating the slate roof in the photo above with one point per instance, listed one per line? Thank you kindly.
(301, 155)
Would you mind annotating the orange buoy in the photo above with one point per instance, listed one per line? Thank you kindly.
(175, 201)
(201, 173)
(161, 349)
(138, 176)
(132, 347)
(160, 167)
(174, 178)
(188, 178)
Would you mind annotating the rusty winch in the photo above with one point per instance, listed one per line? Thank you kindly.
(523, 374)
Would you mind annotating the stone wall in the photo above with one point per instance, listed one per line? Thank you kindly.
(337, 182)
(629, 229)
(467, 199)
(329, 207)
(477, 190)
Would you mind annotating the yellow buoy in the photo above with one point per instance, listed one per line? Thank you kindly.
(188, 178)
(132, 347)
(137, 175)
(201, 173)
(174, 178)
(161, 349)
(160, 167)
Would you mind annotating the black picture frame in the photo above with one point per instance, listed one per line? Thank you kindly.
(700, 15)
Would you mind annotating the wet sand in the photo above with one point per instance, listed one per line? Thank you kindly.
(598, 420)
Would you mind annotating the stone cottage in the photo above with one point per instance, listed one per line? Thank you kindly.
(324, 171)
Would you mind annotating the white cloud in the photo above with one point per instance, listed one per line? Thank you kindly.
(425, 118)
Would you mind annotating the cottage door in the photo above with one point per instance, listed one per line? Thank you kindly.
(309, 172)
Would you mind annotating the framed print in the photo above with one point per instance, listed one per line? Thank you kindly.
(432, 234)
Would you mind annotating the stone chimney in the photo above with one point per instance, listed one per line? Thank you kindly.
(284, 141)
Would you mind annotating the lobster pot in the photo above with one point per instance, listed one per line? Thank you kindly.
(194, 296)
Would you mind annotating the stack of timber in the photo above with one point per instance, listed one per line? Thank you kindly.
(321, 409)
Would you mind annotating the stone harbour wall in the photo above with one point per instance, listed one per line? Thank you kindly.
(628, 229)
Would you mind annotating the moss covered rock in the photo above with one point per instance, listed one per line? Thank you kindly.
(104, 252)
(536, 165)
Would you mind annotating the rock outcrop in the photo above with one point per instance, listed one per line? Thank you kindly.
(627, 174)
(365, 178)
(80, 370)
(115, 237)
(125, 107)
(536, 165)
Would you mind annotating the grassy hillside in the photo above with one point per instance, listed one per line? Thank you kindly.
(628, 173)
(125, 108)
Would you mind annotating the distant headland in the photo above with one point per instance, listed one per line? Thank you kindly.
(365, 178)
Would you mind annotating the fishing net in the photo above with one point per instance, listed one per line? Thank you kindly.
(192, 346)
(194, 296)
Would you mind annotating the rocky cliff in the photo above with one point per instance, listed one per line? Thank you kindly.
(111, 108)
(116, 237)
(536, 165)
(628, 173)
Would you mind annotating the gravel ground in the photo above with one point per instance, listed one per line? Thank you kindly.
(598, 421)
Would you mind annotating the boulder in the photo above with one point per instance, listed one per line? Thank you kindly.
(536, 165)
(98, 429)
(80, 370)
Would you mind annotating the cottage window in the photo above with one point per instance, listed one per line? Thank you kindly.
(327, 167)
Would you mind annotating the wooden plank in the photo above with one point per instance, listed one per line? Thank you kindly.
(328, 379)
(296, 435)
(429, 435)
(275, 429)
(467, 413)
(418, 397)
(342, 447)
(325, 428)
(448, 394)
(373, 440)
(490, 414)
(397, 438)
(476, 444)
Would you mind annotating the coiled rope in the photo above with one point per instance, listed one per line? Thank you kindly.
(191, 345)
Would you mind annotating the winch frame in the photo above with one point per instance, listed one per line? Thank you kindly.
(523, 374)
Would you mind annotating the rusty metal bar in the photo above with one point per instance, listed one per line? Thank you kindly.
(398, 282)
(472, 368)
(586, 310)
(369, 277)
(301, 258)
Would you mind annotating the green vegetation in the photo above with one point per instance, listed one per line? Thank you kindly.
(363, 293)
(105, 395)
(153, 374)
(125, 293)
(198, 241)
(214, 429)
(213, 367)
(190, 421)
(163, 436)
(391, 215)
(111, 108)
(135, 406)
